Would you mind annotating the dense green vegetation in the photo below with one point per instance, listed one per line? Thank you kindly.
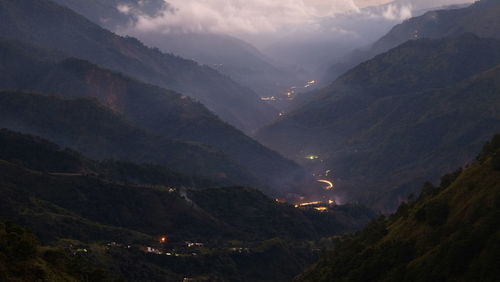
(112, 178)
(23, 259)
(450, 233)
(76, 204)
(405, 116)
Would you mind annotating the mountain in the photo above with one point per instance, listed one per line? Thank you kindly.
(450, 233)
(229, 55)
(38, 154)
(75, 175)
(480, 18)
(49, 25)
(22, 258)
(310, 50)
(326, 50)
(86, 127)
(156, 110)
(75, 206)
(107, 14)
(405, 116)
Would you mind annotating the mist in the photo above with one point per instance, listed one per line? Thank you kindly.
(249, 140)
(304, 35)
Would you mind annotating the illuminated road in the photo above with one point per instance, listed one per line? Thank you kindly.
(327, 182)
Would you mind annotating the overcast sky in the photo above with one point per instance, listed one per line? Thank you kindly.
(283, 29)
(257, 16)
(421, 3)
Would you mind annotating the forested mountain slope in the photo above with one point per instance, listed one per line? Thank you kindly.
(91, 218)
(481, 19)
(159, 111)
(450, 233)
(86, 127)
(408, 115)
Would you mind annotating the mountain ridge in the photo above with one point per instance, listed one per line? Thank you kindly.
(149, 107)
(359, 129)
(76, 36)
(480, 18)
(92, 216)
(229, 55)
(450, 233)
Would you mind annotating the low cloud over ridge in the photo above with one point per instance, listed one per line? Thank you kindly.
(237, 16)
(259, 16)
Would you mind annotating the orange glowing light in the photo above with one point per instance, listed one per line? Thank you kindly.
(321, 209)
(310, 204)
(163, 240)
(329, 184)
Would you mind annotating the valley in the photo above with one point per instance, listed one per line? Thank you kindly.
(252, 141)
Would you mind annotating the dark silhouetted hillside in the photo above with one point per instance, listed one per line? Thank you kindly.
(22, 258)
(38, 154)
(92, 217)
(86, 127)
(163, 113)
(450, 233)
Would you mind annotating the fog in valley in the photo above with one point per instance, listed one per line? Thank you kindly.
(249, 140)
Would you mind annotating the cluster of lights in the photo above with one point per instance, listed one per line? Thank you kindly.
(317, 205)
(272, 98)
(312, 157)
(308, 204)
(310, 83)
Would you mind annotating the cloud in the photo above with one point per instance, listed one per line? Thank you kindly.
(397, 12)
(263, 21)
(425, 4)
(124, 9)
(236, 16)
